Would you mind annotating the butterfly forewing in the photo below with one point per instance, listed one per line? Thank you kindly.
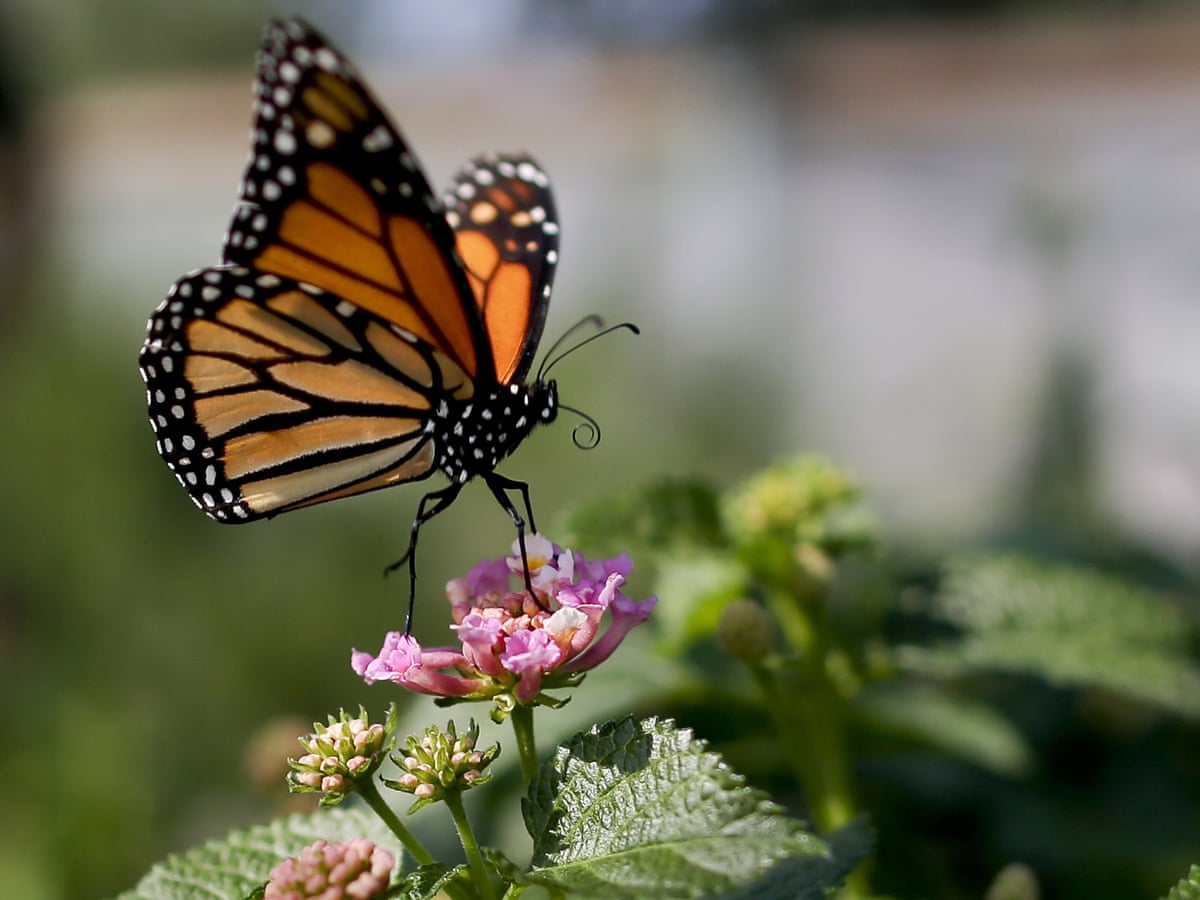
(266, 395)
(360, 333)
(333, 196)
(506, 232)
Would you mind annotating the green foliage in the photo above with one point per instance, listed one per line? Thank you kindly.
(635, 809)
(670, 516)
(789, 522)
(1068, 625)
(959, 726)
(240, 863)
(676, 526)
(803, 500)
(429, 882)
(628, 809)
(1188, 887)
(700, 586)
(790, 540)
(812, 877)
(785, 526)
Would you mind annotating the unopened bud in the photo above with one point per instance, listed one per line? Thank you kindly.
(746, 631)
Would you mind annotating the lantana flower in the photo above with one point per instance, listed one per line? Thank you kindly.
(514, 646)
(357, 870)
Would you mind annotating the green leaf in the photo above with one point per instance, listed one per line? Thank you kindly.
(668, 515)
(812, 877)
(699, 587)
(960, 726)
(1188, 888)
(1069, 625)
(428, 882)
(241, 862)
(637, 809)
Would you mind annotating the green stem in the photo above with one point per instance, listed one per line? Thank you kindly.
(522, 721)
(808, 713)
(797, 628)
(370, 793)
(475, 862)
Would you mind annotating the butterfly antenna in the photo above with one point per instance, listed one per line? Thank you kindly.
(551, 360)
(593, 320)
(585, 435)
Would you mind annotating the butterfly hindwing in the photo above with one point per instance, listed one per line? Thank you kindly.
(506, 230)
(267, 395)
(333, 196)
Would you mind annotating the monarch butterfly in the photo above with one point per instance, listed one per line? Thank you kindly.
(359, 333)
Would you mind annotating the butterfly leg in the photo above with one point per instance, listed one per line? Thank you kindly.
(511, 484)
(500, 486)
(440, 500)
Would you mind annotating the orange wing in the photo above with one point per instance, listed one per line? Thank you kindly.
(333, 197)
(268, 395)
(360, 334)
(506, 230)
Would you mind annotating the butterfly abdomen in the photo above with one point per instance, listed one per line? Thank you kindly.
(473, 436)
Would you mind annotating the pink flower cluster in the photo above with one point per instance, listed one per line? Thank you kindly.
(512, 643)
(355, 871)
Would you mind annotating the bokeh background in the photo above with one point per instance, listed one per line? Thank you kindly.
(953, 245)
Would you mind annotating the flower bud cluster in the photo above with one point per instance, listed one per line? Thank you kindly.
(440, 762)
(332, 871)
(792, 523)
(340, 755)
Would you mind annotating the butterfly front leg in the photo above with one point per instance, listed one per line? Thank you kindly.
(441, 500)
(500, 486)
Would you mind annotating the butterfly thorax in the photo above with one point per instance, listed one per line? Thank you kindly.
(473, 436)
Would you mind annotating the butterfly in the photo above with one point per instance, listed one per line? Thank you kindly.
(359, 332)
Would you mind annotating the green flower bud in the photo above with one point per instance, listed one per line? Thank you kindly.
(746, 631)
(440, 762)
(340, 755)
(791, 522)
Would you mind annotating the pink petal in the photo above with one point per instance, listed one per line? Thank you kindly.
(532, 650)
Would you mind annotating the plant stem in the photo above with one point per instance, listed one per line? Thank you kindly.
(796, 627)
(808, 713)
(475, 862)
(522, 721)
(370, 793)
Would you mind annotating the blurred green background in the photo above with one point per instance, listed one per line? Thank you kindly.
(952, 245)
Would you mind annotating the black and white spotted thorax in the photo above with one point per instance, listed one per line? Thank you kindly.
(472, 436)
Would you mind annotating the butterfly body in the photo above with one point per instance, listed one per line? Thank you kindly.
(477, 434)
(359, 332)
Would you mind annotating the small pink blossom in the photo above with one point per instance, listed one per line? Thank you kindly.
(513, 644)
(401, 659)
(357, 870)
